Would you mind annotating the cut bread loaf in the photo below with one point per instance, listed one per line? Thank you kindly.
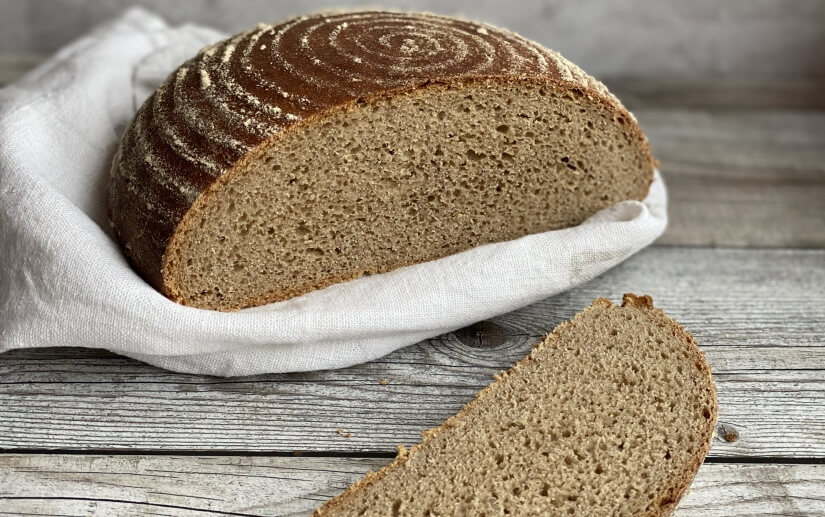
(294, 156)
(612, 414)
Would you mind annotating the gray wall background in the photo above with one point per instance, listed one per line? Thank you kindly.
(748, 40)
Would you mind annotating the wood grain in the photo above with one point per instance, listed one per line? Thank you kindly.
(758, 315)
(752, 178)
(719, 94)
(272, 486)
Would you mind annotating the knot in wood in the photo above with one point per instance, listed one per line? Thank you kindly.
(484, 334)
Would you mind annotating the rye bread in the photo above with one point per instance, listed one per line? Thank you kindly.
(296, 155)
(612, 414)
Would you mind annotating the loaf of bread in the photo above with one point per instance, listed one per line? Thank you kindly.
(294, 156)
(612, 414)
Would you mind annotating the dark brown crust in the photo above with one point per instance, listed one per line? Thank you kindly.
(148, 211)
(669, 500)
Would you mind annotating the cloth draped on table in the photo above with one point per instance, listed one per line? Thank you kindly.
(65, 282)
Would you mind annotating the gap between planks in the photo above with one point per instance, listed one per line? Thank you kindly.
(279, 487)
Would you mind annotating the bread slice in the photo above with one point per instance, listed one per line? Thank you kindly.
(294, 156)
(612, 414)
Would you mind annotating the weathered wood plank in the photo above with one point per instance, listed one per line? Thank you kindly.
(757, 313)
(752, 178)
(188, 486)
(718, 94)
(178, 485)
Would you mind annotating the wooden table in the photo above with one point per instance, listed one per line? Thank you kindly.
(742, 266)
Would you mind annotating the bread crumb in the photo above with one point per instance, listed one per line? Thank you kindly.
(728, 433)
(383, 382)
(255, 103)
(511, 421)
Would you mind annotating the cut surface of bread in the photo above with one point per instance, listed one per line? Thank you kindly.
(612, 414)
(291, 157)
(407, 179)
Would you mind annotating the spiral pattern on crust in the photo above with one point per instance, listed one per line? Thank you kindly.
(235, 94)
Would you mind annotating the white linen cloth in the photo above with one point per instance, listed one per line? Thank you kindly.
(65, 282)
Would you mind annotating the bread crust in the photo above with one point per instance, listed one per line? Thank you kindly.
(669, 500)
(165, 170)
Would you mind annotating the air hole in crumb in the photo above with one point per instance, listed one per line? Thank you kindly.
(474, 156)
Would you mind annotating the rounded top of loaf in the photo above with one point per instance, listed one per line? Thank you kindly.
(211, 113)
